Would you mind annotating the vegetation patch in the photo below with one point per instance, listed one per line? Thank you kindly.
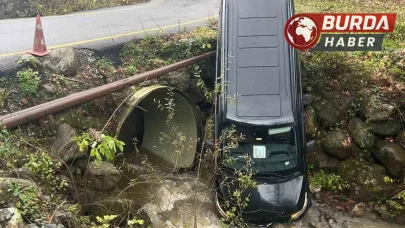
(27, 200)
(28, 81)
(331, 182)
(157, 51)
(29, 8)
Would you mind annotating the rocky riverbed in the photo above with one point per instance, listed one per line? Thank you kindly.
(180, 200)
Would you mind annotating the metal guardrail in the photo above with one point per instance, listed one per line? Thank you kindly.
(27, 115)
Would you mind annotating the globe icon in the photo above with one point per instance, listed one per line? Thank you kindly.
(302, 33)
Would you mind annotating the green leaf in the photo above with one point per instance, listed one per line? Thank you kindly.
(111, 144)
(93, 152)
(83, 145)
(98, 157)
(108, 138)
(105, 146)
(110, 156)
(102, 151)
(120, 146)
(110, 217)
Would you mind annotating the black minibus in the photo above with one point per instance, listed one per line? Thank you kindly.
(261, 98)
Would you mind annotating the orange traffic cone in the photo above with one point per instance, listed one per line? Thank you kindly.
(39, 48)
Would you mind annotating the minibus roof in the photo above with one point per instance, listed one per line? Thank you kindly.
(258, 77)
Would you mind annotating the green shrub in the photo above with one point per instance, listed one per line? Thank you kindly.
(28, 81)
(103, 148)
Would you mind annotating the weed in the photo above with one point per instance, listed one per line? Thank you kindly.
(397, 203)
(354, 109)
(8, 152)
(388, 180)
(42, 164)
(131, 70)
(27, 201)
(177, 141)
(85, 221)
(164, 50)
(105, 221)
(336, 71)
(4, 95)
(135, 221)
(397, 206)
(326, 181)
(212, 23)
(105, 66)
(28, 81)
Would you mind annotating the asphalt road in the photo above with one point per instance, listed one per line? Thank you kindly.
(105, 28)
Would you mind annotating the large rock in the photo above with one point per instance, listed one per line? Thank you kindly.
(33, 61)
(311, 123)
(323, 161)
(21, 173)
(63, 147)
(366, 180)
(4, 183)
(338, 144)
(361, 134)
(375, 108)
(187, 201)
(103, 177)
(195, 92)
(67, 215)
(392, 156)
(64, 61)
(178, 79)
(332, 108)
(385, 127)
(11, 218)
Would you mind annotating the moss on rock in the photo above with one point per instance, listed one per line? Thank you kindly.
(366, 180)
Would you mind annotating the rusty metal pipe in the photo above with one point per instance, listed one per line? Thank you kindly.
(24, 116)
(70, 96)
